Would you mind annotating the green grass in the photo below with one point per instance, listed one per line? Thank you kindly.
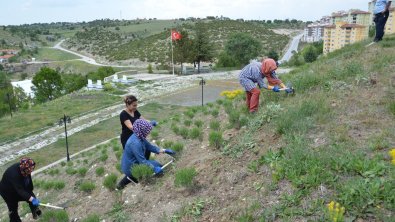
(54, 215)
(48, 54)
(110, 182)
(185, 177)
(87, 186)
(100, 171)
(48, 114)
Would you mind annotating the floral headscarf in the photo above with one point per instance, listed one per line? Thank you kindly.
(142, 128)
(26, 165)
(268, 65)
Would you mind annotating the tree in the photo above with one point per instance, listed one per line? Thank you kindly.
(310, 54)
(242, 47)
(202, 48)
(73, 82)
(225, 60)
(48, 85)
(273, 55)
(5, 94)
(1, 67)
(150, 68)
(182, 49)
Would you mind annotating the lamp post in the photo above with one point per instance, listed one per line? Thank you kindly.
(202, 82)
(64, 120)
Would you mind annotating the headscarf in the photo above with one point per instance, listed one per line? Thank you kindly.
(26, 165)
(142, 128)
(268, 65)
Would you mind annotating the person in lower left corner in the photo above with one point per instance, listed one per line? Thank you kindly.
(17, 185)
(135, 149)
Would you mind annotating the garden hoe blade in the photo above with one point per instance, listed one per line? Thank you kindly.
(167, 164)
(53, 207)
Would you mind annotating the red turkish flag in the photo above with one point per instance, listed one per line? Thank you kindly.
(175, 35)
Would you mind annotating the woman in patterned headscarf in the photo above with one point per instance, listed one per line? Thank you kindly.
(17, 185)
(135, 149)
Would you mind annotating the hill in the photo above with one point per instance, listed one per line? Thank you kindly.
(329, 142)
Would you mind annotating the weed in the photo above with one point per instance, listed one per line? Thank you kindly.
(175, 129)
(110, 181)
(71, 171)
(190, 114)
(142, 172)
(54, 215)
(198, 123)
(335, 212)
(177, 147)
(184, 132)
(215, 125)
(82, 171)
(185, 177)
(118, 154)
(63, 163)
(100, 171)
(87, 186)
(53, 172)
(215, 139)
(187, 122)
(167, 143)
(103, 157)
(196, 133)
(92, 218)
(154, 134)
(215, 112)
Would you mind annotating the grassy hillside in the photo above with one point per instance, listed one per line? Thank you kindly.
(148, 42)
(329, 142)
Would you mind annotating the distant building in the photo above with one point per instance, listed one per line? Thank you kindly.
(342, 34)
(5, 58)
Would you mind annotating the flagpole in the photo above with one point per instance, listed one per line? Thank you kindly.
(171, 42)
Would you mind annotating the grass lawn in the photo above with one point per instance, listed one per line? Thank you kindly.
(48, 54)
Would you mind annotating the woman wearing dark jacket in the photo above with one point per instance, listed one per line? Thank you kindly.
(127, 117)
(17, 185)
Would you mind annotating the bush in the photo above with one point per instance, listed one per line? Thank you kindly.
(87, 186)
(175, 129)
(215, 139)
(187, 122)
(110, 181)
(142, 172)
(92, 218)
(185, 177)
(100, 171)
(71, 171)
(184, 132)
(215, 112)
(54, 215)
(103, 157)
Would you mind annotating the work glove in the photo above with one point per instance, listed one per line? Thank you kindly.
(153, 123)
(158, 170)
(35, 202)
(276, 89)
(170, 152)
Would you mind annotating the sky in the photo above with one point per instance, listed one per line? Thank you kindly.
(16, 12)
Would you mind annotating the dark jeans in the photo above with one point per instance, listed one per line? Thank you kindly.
(13, 209)
(380, 19)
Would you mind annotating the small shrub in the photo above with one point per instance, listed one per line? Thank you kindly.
(176, 118)
(92, 218)
(103, 157)
(215, 139)
(87, 186)
(71, 171)
(110, 181)
(116, 147)
(184, 132)
(53, 172)
(58, 185)
(142, 172)
(198, 123)
(196, 133)
(69, 163)
(190, 114)
(175, 129)
(54, 215)
(100, 171)
(63, 164)
(215, 125)
(178, 147)
(118, 166)
(168, 143)
(85, 161)
(185, 177)
(82, 171)
(215, 112)
(118, 154)
(187, 122)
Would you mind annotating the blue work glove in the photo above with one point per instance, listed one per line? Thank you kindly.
(153, 123)
(276, 89)
(158, 170)
(289, 90)
(35, 202)
(170, 152)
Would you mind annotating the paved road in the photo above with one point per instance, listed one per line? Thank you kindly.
(292, 47)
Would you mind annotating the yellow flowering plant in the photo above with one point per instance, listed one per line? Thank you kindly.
(231, 94)
(392, 155)
(336, 211)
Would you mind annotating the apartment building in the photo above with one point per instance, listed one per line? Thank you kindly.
(314, 32)
(341, 34)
